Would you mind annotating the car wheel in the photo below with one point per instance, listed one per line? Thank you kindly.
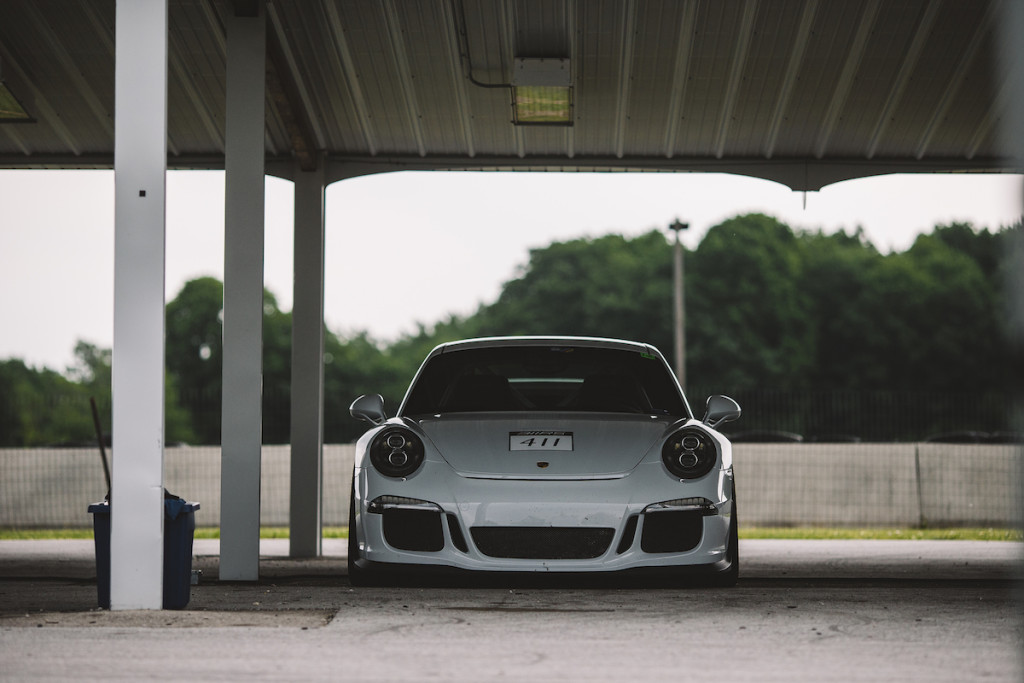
(729, 575)
(357, 576)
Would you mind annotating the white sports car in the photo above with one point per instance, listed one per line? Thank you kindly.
(553, 454)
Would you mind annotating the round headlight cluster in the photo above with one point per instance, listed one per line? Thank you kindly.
(396, 452)
(689, 454)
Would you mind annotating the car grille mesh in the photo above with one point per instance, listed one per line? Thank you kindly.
(542, 543)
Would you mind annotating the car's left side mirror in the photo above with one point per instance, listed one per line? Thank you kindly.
(370, 408)
(721, 409)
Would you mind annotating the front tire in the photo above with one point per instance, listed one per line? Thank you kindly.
(357, 576)
(728, 576)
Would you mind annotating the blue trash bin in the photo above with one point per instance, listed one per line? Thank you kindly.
(179, 530)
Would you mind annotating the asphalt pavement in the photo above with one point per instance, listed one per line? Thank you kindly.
(802, 611)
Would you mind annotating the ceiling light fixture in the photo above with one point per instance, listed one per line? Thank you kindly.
(542, 92)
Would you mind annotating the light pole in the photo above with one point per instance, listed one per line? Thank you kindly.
(680, 304)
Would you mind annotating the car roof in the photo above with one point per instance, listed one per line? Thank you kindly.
(592, 342)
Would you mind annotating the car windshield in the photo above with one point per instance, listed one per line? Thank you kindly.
(544, 378)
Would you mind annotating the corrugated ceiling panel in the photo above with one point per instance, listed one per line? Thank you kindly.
(196, 79)
(884, 53)
(435, 78)
(541, 28)
(818, 79)
(596, 97)
(487, 54)
(709, 72)
(319, 48)
(764, 69)
(971, 114)
(391, 108)
(35, 73)
(790, 79)
(85, 31)
(936, 77)
(767, 78)
(652, 76)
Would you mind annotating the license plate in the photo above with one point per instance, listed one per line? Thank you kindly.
(540, 441)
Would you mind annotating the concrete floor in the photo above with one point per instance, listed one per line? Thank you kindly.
(803, 611)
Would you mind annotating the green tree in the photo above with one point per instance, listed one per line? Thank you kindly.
(836, 276)
(277, 371)
(92, 373)
(609, 286)
(194, 351)
(195, 359)
(357, 366)
(41, 408)
(748, 318)
(936, 320)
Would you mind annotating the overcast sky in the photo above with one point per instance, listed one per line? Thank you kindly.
(412, 247)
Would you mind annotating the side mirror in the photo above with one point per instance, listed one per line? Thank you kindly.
(721, 409)
(370, 408)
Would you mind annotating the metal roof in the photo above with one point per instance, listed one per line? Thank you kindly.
(804, 92)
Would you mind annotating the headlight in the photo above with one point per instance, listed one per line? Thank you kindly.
(396, 452)
(689, 453)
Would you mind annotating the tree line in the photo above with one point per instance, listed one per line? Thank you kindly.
(812, 332)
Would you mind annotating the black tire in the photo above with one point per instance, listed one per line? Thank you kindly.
(357, 576)
(728, 576)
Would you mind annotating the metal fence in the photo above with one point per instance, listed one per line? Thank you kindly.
(787, 484)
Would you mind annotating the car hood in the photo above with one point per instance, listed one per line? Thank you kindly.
(603, 446)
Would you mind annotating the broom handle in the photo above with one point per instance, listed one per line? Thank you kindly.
(99, 439)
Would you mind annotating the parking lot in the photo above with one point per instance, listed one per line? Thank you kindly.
(803, 611)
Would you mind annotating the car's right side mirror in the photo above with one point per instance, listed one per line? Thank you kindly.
(370, 408)
(721, 409)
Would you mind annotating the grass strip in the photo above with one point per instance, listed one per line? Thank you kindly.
(882, 533)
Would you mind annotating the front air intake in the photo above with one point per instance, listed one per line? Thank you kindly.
(542, 543)
(418, 530)
(672, 531)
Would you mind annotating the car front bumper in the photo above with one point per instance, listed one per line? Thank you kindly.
(643, 520)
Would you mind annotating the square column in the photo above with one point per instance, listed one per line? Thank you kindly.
(242, 411)
(140, 165)
(307, 407)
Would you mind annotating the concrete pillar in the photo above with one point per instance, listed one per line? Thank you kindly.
(307, 393)
(140, 165)
(242, 417)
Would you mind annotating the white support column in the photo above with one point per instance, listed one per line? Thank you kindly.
(140, 164)
(242, 416)
(307, 366)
